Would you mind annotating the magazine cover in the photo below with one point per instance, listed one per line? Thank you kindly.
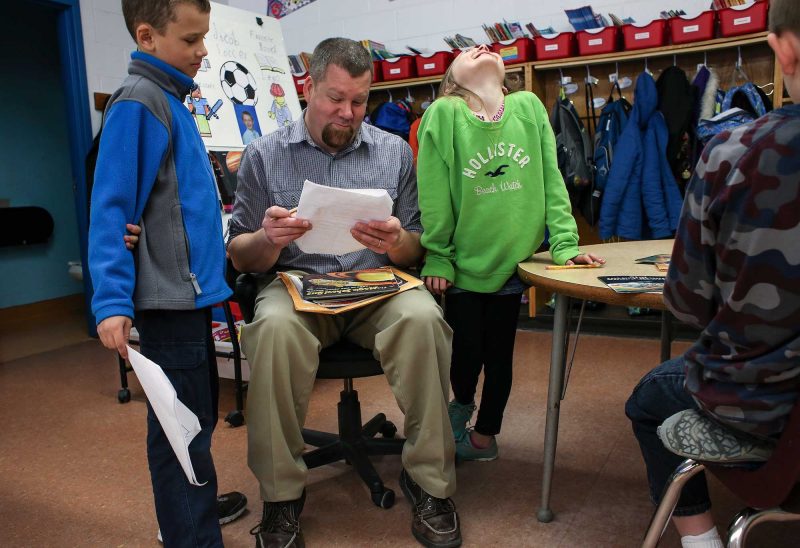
(347, 285)
(662, 258)
(294, 285)
(634, 284)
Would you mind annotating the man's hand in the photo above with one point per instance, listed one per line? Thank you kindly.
(282, 228)
(586, 258)
(132, 238)
(436, 285)
(114, 332)
(380, 236)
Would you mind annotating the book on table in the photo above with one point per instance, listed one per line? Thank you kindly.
(634, 284)
(338, 292)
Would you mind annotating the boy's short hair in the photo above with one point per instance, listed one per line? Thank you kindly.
(784, 15)
(248, 113)
(342, 52)
(156, 13)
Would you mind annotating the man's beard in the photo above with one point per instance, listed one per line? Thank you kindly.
(337, 138)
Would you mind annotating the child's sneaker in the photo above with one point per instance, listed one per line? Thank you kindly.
(460, 415)
(465, 450)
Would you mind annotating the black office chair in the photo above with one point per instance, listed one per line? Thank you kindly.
(354, 442)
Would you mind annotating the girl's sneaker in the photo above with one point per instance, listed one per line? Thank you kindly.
(465, 450)
(460, 415)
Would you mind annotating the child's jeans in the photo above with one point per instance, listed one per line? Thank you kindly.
(658, 396)
(180, 342)
(484, 328)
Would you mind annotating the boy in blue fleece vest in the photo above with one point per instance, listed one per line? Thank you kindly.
(153, 170)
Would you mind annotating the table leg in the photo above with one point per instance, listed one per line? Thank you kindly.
(557, 366)
(666, 335)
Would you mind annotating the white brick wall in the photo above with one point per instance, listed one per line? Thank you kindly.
(422, 23)
(396, 23)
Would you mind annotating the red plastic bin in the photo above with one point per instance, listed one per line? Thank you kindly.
(398, 68)
(376, 71)
(652, 35)
(555, 46)
(738, 20)
(694, 29)
(299, 80)
(514, 51)
(433, 64)
(595, 41)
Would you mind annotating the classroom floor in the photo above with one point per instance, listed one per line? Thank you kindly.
(73, 469)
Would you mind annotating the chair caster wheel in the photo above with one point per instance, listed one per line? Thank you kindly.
(383, 499)
(388, 430)
(235, 418)
(124, 395)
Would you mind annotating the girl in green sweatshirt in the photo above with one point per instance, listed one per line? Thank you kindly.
(488, 185)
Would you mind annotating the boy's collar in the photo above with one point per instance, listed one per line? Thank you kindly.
(182, 80)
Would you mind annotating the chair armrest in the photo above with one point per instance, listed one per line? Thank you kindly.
(246, 290)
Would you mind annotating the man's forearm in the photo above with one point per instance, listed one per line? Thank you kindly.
(253, 252)
(409, 252)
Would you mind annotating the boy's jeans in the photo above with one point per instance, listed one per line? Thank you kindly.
(180, 342)
(658, 396)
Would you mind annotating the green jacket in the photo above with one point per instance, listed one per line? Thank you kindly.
(487, 190)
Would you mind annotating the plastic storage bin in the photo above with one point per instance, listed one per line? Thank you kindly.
(652, 35)
(738, 20)
(376, 71)
(299, 80)
(433, 64)
(514, 51)
(555, 46)
(398, 68)
(694, 29)
(595, 41)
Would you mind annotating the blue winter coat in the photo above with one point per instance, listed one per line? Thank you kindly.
(641, 199)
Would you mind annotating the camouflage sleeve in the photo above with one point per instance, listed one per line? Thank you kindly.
(690, 292)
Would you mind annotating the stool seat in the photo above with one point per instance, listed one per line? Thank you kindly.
(347, 360)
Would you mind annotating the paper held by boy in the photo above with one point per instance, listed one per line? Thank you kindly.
(179, 423)
(332, 212)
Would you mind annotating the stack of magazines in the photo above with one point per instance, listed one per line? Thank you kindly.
(342, 288)
(341, 291)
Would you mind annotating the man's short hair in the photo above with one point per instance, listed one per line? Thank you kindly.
(784, 15)
(342, 52)
(156, 13)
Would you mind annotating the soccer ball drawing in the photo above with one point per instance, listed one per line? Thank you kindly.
(237, 83)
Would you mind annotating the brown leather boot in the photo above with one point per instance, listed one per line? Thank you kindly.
(434, 521)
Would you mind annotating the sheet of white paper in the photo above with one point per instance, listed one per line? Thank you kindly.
(333, 212)
(180, 424)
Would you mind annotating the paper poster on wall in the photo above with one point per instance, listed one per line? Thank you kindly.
(244, 86)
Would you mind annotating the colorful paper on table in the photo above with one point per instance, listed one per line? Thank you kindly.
(634, 284)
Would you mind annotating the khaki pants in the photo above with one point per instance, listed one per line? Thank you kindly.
(409, 336)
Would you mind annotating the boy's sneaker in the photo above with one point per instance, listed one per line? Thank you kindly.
(229, 507)
(434, 521)
(460, 415)
(465, 450)
(280, 525)
(693, 435)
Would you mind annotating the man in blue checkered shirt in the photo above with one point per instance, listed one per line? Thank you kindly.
(407, 333)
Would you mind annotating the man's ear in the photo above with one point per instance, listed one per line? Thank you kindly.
(308, 87)
(144, 37)
(787, 51)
